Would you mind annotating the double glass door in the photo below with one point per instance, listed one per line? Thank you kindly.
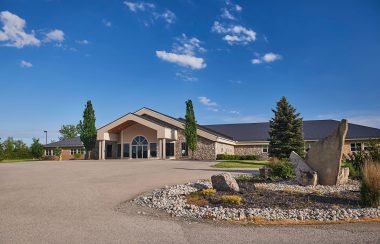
(139, 147)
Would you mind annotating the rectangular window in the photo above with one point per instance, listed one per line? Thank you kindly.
(126, 150)
(72, 151)
(153, 150)
(184, 149)
(265, 149)
(355, 147)
(367, 146)
(49, 152)
(169, 149)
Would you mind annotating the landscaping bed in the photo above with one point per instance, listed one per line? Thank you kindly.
(269, 200)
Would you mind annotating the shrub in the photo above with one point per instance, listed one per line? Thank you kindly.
(370, 185)
(196, 199)
(353, 171)
(208, 192)
(37, 149)
(236, 157)
(234, 200)
(77, 156)
(51, 158)
(356, 159)
(57, 152)
(282, 169)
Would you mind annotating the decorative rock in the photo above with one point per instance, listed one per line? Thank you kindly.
(325, 156)
(305, 175)
(224, 182)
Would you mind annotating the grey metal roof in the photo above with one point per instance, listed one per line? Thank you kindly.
(73, 142)
(313, 130)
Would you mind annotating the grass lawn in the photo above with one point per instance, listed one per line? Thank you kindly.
(18, 160)
(240, 164)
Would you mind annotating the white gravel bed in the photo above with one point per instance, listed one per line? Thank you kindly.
(172, 200)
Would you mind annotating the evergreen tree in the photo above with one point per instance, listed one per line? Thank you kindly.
(191, 128)
(285, 133)
(87, 129)
(37, 149)
(68, 131)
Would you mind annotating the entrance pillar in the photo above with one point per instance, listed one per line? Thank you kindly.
(100, 151)
(163, 148)
(121, 145)
(103, 149)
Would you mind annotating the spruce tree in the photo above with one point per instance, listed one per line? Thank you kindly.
(87, 129)
(191, 128)
(285, 133)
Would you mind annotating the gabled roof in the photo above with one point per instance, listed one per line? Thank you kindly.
(72, 142)
(313, 130)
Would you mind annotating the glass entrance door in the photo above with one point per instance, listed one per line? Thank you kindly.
(139, 147)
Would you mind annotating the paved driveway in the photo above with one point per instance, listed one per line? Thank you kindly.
(74, 202)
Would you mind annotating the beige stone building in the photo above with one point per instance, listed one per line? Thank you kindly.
(148, 134)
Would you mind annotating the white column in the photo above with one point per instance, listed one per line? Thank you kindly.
(159, 149)
(100, 151)
(103, 149)
(121, 145)
(163, 148)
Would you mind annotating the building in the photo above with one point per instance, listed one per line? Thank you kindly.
(149, 134)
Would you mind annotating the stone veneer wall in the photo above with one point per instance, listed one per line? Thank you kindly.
(248, 150)
(205, 150)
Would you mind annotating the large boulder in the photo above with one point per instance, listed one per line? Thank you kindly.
(224, 182)
(305, 175)
(325, 156)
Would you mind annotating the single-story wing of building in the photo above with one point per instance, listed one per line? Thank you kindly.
(148, 134)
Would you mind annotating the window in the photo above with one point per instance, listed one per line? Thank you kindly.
(76, 151)
(366, 146)
(49, 152)
(184, 149)
(169, 149)
(265, 149)
(356, 147)
(153, 150)
(126, 150)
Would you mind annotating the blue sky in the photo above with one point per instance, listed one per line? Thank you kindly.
(234, 59)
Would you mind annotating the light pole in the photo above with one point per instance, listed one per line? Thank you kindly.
(45, 131)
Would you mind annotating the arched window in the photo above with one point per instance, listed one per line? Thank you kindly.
(139, 141)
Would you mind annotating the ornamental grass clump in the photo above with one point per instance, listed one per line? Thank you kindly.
(233, 200)
(370, 185)
(208, 192)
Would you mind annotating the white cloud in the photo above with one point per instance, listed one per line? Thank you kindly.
(182, 59)
(186, 76)
(207, 102)
(107, 23)
(238, 8)
(256, 61)
(236, 82)
(234, 34)
(266, 58)
(25, 64)
(183, 53)
(226, 14)
(366, 118)
(271, 57)
(84, 42)
(167, 15)
(13, 32)
(55, 35)
(139, 6)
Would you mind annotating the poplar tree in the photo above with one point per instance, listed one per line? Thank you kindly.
(87, 129)
(285, 133)
(191, 128)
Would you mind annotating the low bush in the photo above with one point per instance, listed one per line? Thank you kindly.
(51, 158)
(353, 171)
(281, 169)
(234, 200)
(370, 185)
(236, 157)
(77, 156)
(196, 199)
(208, 192)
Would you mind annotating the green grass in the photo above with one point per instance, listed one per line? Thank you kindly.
(18, 160)
(240, 164)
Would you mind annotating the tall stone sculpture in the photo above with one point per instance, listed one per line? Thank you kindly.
(324, 157)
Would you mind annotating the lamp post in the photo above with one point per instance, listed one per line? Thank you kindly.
(45, 131)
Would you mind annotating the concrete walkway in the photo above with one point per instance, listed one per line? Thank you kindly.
(74, 202)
